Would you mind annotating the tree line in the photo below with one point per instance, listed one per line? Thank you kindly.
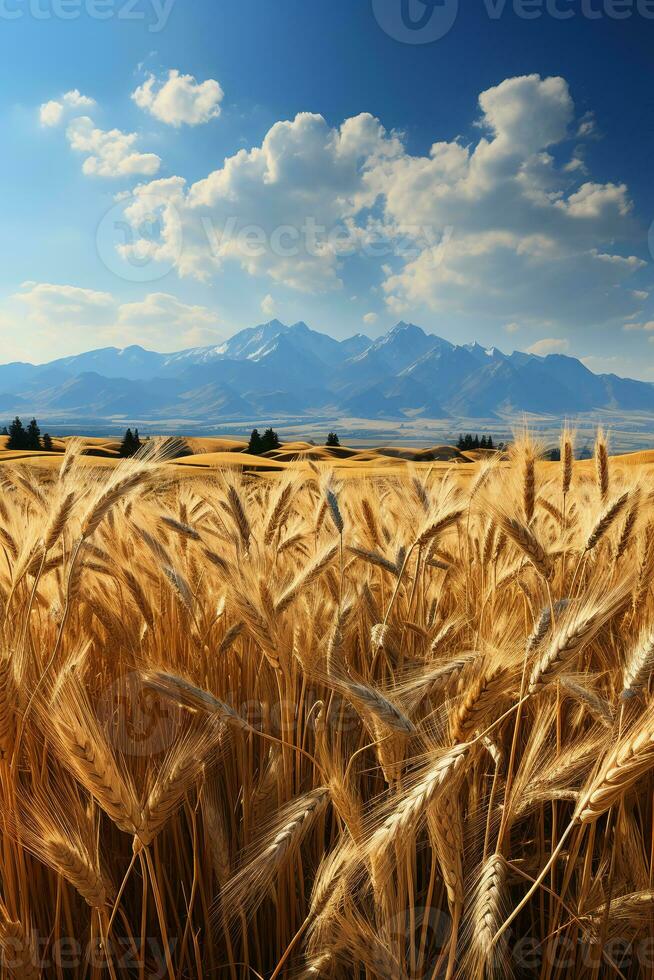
(468, 441)
(27, 439)
(259, 444)
(131, 444)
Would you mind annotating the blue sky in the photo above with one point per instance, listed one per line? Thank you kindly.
(183, 168)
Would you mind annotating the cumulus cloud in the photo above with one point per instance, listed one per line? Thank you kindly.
(109, 153)
(495, 228)
(598, 200)
(79, 318)
(549, 345)
(180, 100)
(268, 305)
(280, 209)
(52, 113)
(526, 238)
(370, 318)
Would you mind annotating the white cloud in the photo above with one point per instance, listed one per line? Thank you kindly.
(265, 207)
(525, 237)
(595, 200)
(48, 303)
(52, 113)
(75, 318)
(109, 153)
(370, 318)
(549, 345)
(268, 305)
(495, 228)
(180, 100)
(512, 327)
(587, 125)
(640, 326)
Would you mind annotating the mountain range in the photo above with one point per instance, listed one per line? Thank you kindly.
(275, 371)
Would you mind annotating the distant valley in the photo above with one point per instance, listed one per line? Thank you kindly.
(405, 381)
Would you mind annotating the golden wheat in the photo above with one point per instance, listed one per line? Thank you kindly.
(293, 726)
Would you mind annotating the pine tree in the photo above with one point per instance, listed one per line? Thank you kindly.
(269, 441)
(128, 446)
(33, 436)
(489, 443)
(47, 443)
(17, 435)
(137, 441)
(332, 440)
(255, 446)
(483, 444)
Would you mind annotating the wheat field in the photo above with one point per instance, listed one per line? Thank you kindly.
(285, 726)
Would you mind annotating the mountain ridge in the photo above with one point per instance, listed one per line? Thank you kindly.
(294, 370)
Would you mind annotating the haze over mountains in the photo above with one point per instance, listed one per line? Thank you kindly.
(274, 370)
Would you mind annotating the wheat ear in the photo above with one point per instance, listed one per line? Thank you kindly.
(640, 665)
